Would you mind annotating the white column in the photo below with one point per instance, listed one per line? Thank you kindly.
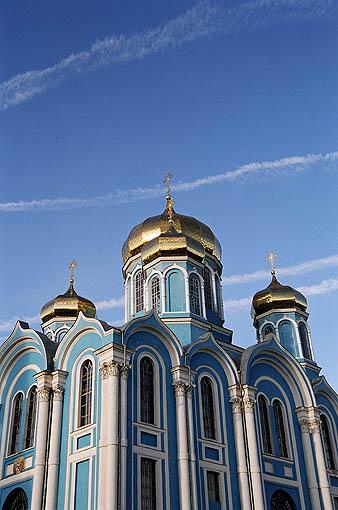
(309, 463)
(242, 469)
(132, 297)
(112, 436)
(204, 312)
(214, 292)
(103, 437)
(187, 293)
(59, 378)
(123, 435)
(182, 446)
(192, 454)
(255, 469)
(324, 485)
(126, 307)
(44, 388)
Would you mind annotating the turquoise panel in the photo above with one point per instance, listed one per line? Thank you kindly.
(288, 337)
(81, 485)
(175, 291)
(83, 441)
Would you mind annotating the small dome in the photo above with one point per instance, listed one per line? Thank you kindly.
(170, 233)
(69, 304)
(278, 296)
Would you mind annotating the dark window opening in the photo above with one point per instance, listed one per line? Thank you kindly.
(16, 422)
(207, 289)
(139, 303)
(86, 393)
(280, 429)
(148, 484)
(327, 442)
(213, 486)
(147, 390)
(208, 408)
(265, 424)
(30, 418)
(155, 294)
(195, 303)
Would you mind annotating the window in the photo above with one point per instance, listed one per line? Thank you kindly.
(30, 418)
(195, 304)
(155, 294)
(16, 500)
(267, 331)
(335, 503)
(265, 424)
(148, 484)
(304, 340)
(208, 408)
(213, 486)
(287, 337)
(147, 390)
(280, 429)
(281, 500)
(207, 288)
(327, 442)
(139, 305)
(15, 427)
(86, 393)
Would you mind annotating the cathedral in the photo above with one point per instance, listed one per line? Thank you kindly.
(165, 412)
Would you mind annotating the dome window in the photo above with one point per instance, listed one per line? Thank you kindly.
(139, 291)
(155, 294)
(288, 337)
(304, 340)
(195, 302)
(207, 288)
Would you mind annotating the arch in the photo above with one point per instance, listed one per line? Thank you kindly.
(147, 393)
(16, 500)
(13, 445)
(280, 429)
(86, 393)
(287, 335)
(327, 442)
(265, 424)
(139, 292)
(195, 297)
(208, 408)
(30, 418)
(304, 340)
(281, 500)
(155, 293)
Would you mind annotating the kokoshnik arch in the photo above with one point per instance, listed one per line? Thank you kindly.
(165, 412)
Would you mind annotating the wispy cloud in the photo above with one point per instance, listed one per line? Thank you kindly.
(325, 287)
(304, 267)
(205, 19)
(265, 169)
(110, 303)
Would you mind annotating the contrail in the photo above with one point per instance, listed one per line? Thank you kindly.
(304, 267)
(205, 19)
(265, 169)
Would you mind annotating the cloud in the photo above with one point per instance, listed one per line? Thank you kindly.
(110, 303)
(325, 287)
(206, 18)
(304, 267)
(265, 169)
(8, 324)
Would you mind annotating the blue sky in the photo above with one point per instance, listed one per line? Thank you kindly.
(237, 99)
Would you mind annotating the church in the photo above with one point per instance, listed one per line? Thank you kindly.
(165, 412)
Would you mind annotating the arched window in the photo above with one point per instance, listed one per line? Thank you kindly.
(15, 425)
(287, 337)
(280, 429)
(16, 500)
(139, 304)
(86, 393)
(147, 390)
(30, 418)
(155, 294)
(304, 340)
(281, 500)
(207, 288)
(265, 424)
(208, 411)
(267, 331)
(195, 304)
(327, 442)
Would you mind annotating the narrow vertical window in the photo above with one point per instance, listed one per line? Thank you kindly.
(155, 294)
(147, 390)
(208, 408)
(304, 340)
(267, 331)
(287, 336)
(213, 486)
(30, 418)
(280, 429)
(86, 393)
(195, 304)
(16, 421)
(207, 288)
(139, 305)
(265, 424)
(327, 442)
(148, 484)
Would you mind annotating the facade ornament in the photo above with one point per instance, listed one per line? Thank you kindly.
(44, 393)
(236, 404)
(58, 392)
(124, 370)
(19, 465)
(309, 425)
(104, 370)
(249, 404)
(180, 388)
(113, 368)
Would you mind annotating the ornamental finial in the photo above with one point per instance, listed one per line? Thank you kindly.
(167, 180)
(170, 202)
(270, 257)
(71, 267)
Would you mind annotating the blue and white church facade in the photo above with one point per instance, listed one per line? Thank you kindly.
(166, 412)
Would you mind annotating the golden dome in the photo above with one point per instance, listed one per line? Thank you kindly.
(69, 304)
(171, 233)
(278, 296)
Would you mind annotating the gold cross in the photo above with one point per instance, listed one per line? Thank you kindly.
(71, 267)
(270, 257)
(167, 180)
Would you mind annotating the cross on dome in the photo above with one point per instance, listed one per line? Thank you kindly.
(167, 179)
(270, 257)
(72, 267)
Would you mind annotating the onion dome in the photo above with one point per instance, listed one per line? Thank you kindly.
(69, 304)
(171, 233)
(278, 296)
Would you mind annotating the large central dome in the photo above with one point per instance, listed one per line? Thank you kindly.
(170, 232)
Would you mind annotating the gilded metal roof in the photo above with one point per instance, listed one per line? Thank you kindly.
(278, 296)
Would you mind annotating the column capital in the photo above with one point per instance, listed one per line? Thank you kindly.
(44, 393)
(58, 392)
(249, 399)
(180, 388)
(124, 369)
(308, 419)
(236, 404)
